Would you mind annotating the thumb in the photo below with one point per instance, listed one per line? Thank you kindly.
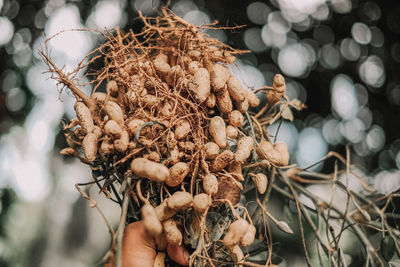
(138, 249)
(178, 254)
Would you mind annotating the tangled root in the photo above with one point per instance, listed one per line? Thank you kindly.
(175, 120)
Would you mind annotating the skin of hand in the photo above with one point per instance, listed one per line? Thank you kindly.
(139, 249)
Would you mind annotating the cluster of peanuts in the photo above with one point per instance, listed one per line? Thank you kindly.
(175, 115)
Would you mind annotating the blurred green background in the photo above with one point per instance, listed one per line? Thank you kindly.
(340, 57)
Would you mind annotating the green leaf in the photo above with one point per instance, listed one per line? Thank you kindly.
(387, 247)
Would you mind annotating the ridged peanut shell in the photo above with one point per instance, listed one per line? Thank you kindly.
(177, 174)
(149, 169)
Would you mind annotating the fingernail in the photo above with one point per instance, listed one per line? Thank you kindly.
(186, 256)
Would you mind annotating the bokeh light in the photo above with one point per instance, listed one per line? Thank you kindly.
(106, 14)
(377, 38)
(278, 23)
(343, 97)
(15, 99)
(372, 71)
(6, 30)
(285, 132)
(350, 49)
(329, 56)
(395, 52)
(251, 77)
(394, 95)
(398, 160)
(311, 148)
(321, 13)
(387, 181)
(297, 11)
(181, 8)
(375, 138)
(365, 115)
(361, 33)
(70, 45)
(354, 130)
(258, 12)
(371, 11)
(146, 7)
(331, 131)
(30, 179)
(197, 17)
(342, 6)
(253, 41)
(293, 60)
(272, 38)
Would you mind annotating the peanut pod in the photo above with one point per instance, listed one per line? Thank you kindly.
(249, 236)
(112, 88)
(235, 89)
(172, 232)
(178, 173)
(217, 130)
(180, 200)
(84, 117)
(261, 182)
(244, 148)
(201, 202)
(231, 132)
(235, 232)
(211, 150)
(90, 146)
(112, 128)
(235, 168)
(224, 101)
(211, 101)
(115, 112)
(236, 118)
(201, 84)
(150, 221)
(149, 169)
(121, 144)
(219, 75)
(210, 184)
(182, 129)
(222, 160)
(252, 98)
(163, 212)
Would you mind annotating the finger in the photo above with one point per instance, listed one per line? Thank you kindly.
(178, 254)
(161, 242)
(138, 248)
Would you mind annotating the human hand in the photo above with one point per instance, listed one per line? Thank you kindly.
(139, 249)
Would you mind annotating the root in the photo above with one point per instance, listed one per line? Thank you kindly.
(168, 94)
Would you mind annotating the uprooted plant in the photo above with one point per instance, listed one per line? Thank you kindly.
(176, 140)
